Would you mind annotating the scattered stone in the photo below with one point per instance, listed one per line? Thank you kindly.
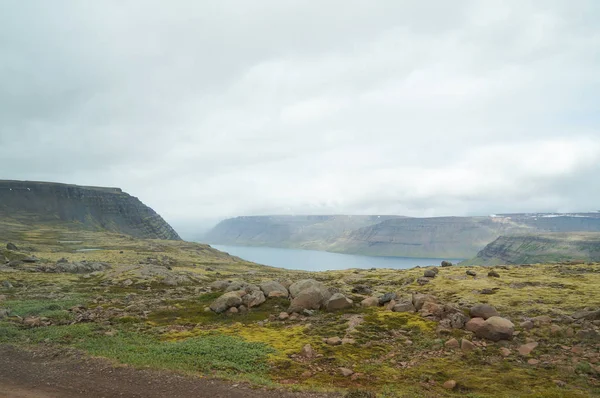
(390, 305)
(489, 291)
(504, 351)
(446, 264)
(283, 316)
(370, 302)
(11, 246)
(423, 281)
(32, 259)
(449, 384)
(588, 334)
(474, 324)
(127, 282)
(493, 274)
(346, 372)
(82, 267)
(484, 311)
(429, 273)
(333, 341)
(386, 298)
(420, 299)
(308, 312)
(226, 301)
(235, 286)
(219, 285)
(542, 320)
(361, 289)
(338, 302)
(274, 289)
(526, 349)
(312, 298)
(556, 330)
(533, 361)
(527, 325)
(233, 310)
(466, 345)
(589, 315)
(296, 288)
(254, 299)
(306, 374)
(348, 340)
(405, 306)
(307, 350)
(452, 343)
(471, 273)
(242, 309)
(496, 328)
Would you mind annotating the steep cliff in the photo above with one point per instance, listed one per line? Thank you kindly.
(540, 248)
(304, 232)
(94, 208)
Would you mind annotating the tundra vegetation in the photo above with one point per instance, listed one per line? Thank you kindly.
(502, 331)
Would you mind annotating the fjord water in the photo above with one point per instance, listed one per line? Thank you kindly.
(312, 260)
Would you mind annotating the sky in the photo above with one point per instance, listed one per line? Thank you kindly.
(213, 109)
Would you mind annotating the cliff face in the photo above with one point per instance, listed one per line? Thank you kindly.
(305, 232)
(540, 248)
(94, 208)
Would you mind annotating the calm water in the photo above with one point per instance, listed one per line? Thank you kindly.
(311, 260)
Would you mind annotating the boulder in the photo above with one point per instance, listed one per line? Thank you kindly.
(496, 328)
(235, 286)
(484, 311)
(526, 349)
(32, 259)
(423, 280)
(589, 315)
(452, 343)
(471, 273)
(361, 289)
(296, 288)
(466, 345)
(370, 302)
(446, 264)
(253, 299)
(338, 302)
(11, 246)
(226, 301)
(273, 289)
(312, 298)
(449, 384)
(493, 274)
(386, 298)
(346, 372)
(420, 299)
(333, 341)
(457, 320)
(219, 285)
(308, 352)
(474, 324)
(404, 306)
(429, 273)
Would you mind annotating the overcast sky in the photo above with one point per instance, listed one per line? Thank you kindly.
(212, 109)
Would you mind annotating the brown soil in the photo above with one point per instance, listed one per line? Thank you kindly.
(51, 373)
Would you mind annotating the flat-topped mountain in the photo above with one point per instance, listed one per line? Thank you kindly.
(540, 248)
(92, 208)
(442, 237)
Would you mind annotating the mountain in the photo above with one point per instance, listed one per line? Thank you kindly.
(540, 248)
(90, 208)
(300, 232)
(438, 237)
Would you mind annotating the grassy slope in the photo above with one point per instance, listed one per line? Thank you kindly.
(177, 333)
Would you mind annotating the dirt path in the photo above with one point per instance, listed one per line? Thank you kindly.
(67, 374)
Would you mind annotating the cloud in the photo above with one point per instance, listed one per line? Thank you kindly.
(211, 110)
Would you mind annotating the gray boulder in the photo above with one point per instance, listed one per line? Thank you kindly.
(312, 298)
(253, 299)
(405, 306)
(484, 311)
(235, 286)
(446, 264)
(219, 285)
(495, 329)
(273, 289)
(338, 302)
(226, 301)
(11, 246)
(386, 298)
(429, 273)
(296, 288)
(419, 299)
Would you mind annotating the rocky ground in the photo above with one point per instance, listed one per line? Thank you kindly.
(504, 331)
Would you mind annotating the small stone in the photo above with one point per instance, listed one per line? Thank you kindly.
(560, 383)
(11, 246)
(533, 361)
(493, 274)
(283, 316)
(471, 273)
(555, 330)
(474, 324)
(577, 350)
(466, 345)
(370, 302)
(386, 298)
(527, 325)
(233, 310)
(484, 311)
(526, 349)
(308, 352)
(449, 384)
(423, 281)
(346, 372)
(333, 341)
(306, 374)
(406, 306)
(347, 340)
(505, 352)
(452, 343)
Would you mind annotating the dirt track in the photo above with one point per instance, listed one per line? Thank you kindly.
(52, 373)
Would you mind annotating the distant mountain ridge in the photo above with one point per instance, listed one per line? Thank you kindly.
(87, 207)
(441, 237)
(540, 248)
